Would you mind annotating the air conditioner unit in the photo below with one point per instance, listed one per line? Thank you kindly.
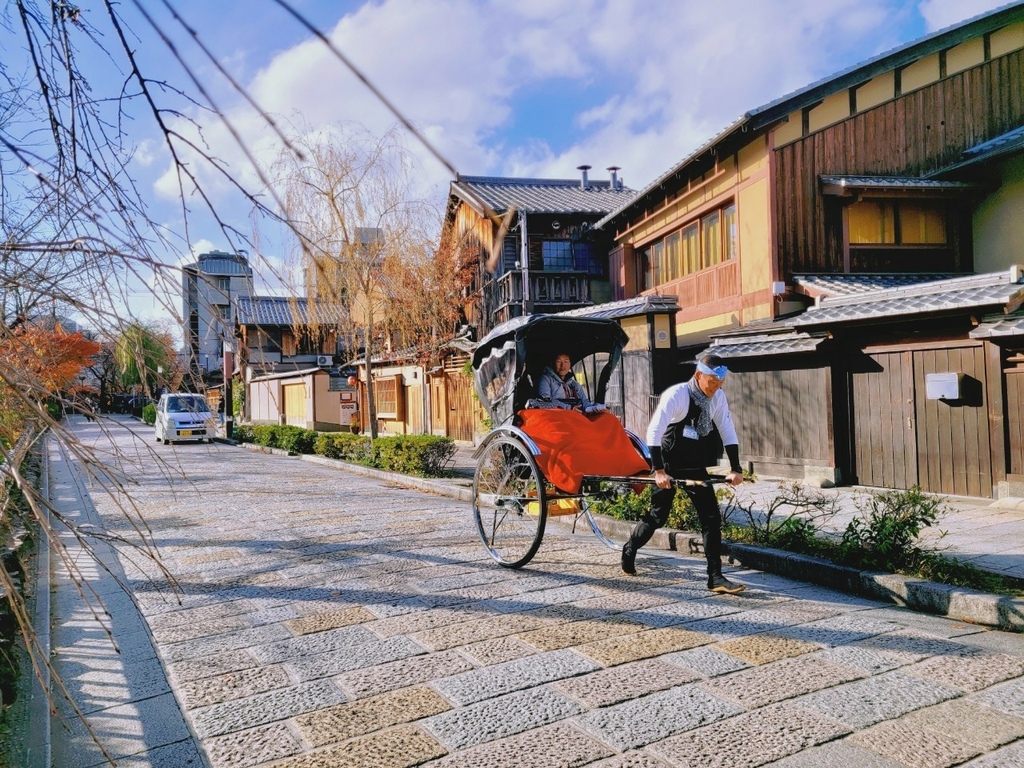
(324, 361)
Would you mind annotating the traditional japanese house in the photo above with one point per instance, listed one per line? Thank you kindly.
(852, 248)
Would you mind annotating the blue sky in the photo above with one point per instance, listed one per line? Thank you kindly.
(514, 88)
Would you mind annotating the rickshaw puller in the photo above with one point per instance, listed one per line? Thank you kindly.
(681, 442)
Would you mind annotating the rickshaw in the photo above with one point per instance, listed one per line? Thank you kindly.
(512, 496)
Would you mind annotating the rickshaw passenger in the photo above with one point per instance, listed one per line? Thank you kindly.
(558, 388)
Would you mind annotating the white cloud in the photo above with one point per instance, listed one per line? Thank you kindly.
(665, 76)
(939, 14)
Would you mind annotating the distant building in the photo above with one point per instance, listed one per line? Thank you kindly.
(209, 287)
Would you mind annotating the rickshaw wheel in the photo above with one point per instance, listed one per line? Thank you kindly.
(509, 502)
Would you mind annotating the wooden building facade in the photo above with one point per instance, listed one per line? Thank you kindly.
(532, 244)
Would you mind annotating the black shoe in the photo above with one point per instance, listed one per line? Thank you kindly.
(718, 583)
(629, 558)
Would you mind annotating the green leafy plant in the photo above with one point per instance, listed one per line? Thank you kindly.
(425, 455)
(243, 433)
(886, 536)
(149, 414)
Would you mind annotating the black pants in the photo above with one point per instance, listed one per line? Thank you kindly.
(708, 512)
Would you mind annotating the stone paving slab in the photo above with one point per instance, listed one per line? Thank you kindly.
(500, 717)
(906, 745)
(786, 679)
(557, 746)
(751, 739)
(625, 682)
(865, 702)
(652, 718)
(479, 684)
(346, 721)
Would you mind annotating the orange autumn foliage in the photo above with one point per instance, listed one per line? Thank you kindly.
(53, 359)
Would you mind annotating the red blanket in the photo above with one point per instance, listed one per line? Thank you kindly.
(573, 445)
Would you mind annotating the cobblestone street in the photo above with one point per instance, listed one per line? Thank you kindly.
(329, 619)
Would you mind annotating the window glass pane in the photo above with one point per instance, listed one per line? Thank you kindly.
(645, 270)
(711, 238)
(922, 224)
(583, 259)
(658, 259)
(730, 227)
(691, 249)
(557, 255)
(672, 255)
(871, 222)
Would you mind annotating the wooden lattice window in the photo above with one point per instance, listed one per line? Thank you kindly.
(389, 393)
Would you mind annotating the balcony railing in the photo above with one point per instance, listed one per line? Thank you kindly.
(548, 291)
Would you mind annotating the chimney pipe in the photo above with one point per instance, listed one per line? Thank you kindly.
(584, 183)
(614, 170)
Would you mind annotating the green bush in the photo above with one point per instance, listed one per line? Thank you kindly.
(344, 446)
(424, 455)
(624, 503)
(242, 433)
(885, 538)
(264, 434)
(284, 436)
(149, 414)
(294, 439)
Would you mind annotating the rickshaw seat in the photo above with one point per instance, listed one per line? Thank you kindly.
(573, 445)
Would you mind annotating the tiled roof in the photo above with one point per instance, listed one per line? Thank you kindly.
(862, 283)
(282, 310)
(765, 344)
(562, 196)
(958, 293)
(895, 182)
(999, 325)
(1010, 141)
(614, 310)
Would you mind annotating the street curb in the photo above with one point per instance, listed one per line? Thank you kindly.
(959, 603)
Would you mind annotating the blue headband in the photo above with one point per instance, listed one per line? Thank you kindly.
(719, 371)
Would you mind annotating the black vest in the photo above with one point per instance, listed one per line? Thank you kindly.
(680, 452)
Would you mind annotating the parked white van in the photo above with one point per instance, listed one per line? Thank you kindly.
(184, 416)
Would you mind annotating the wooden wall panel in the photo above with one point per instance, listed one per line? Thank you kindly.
(1015, 419)
(782, 415)
(884, 451)
(953, 437)
(912, 135)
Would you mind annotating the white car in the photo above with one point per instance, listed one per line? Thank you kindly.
(184, 416)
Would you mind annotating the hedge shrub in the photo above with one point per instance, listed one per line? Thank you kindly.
(243, 433)
(343, 445)
(284, 436)
(149, 414)
(423, 455)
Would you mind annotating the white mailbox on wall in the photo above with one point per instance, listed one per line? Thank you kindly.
(942, 386)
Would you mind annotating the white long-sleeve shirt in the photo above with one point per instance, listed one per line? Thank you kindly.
(673, 406)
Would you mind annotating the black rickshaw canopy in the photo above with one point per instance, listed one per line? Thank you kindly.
(508, 361)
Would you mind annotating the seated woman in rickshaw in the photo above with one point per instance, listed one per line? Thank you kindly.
(588, 441)
(558, 388)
